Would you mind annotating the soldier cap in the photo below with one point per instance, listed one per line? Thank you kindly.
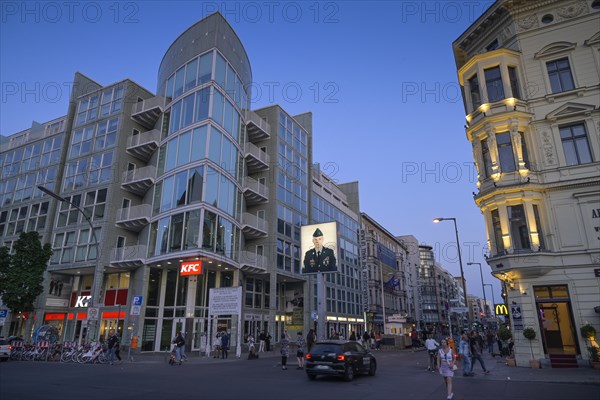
(317, 233)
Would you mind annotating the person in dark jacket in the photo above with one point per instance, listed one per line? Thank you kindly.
(224, 345)
(310, 339)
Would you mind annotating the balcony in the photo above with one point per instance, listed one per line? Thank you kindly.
(253, 263)
(510, 107)
(255, 192)
(134, 218)
(139, 180)
(144, 144)
(253, 226)
(256, 159)
(129, 256)
(148, 111)
(256, 127)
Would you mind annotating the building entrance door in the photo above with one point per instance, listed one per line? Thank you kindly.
(556, 319)
(199, 334)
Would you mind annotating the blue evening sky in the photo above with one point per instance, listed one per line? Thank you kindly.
(378, 76)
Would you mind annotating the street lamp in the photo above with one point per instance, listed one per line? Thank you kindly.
(482, 286)
(462, 274)
(98, 273)
(492, 286)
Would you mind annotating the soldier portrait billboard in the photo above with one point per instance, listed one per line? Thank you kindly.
(319, 248)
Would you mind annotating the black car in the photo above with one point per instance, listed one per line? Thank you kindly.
(339, 358)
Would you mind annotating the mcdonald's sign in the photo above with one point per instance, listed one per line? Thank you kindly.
(500, 309)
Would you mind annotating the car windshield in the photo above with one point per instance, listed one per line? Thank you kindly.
(324, 348)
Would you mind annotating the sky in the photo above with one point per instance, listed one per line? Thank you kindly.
(379, 77)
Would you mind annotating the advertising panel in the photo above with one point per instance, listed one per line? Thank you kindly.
(319, 243)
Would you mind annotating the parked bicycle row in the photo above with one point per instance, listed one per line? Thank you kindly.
(93, 353)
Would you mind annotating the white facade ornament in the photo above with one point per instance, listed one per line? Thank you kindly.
(572, 10)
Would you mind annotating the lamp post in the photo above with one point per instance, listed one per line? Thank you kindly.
(492, 286)
(462, 274)
(482, 286)
(98, 273)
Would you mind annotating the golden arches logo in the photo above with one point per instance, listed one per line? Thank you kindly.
(501, 309)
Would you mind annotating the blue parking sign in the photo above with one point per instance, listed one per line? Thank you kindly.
(137, 300)
(3, 313)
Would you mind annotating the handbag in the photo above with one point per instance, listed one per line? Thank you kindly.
(454, 367)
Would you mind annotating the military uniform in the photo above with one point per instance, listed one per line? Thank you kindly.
(322, 260)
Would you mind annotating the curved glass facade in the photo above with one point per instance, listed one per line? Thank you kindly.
(198, 197)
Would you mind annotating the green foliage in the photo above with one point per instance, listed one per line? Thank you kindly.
(22, 273)
(504, 334)
(529, 333)
(588, 331)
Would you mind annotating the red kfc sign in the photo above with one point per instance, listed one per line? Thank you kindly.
(190, 268)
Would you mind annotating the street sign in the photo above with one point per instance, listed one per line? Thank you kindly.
(3, 313)
(459, 309)
(136, 301)
(135, 310)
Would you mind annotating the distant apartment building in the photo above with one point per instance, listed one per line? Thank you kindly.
(529, 72)
(387, 287)
(413, 280)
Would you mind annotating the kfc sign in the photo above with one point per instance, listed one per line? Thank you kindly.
(190, 268)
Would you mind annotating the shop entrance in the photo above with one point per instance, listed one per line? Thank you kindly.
(556, 320)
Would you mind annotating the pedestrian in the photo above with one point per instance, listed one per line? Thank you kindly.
(268, 341)
(113, 340)
(310, 339)
(179, 343)
(285, 349)
(300, 349)
(464, 350)
(378, 340)
(414, 337)
(352, 336)
(366, 340)
(491, 338)
(251, 348)
(261, 342)
(476, 342)
(118, 352)
(445, 364)
(224, 345)
(432, 348)
(217, 345)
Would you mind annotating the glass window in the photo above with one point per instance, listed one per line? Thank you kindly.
(175, 117)
(190, 74)
(474, 89)
(192, 230)
(212, 187)
(220, 68)
(176, 233)
(195, 182)
(183, 152)
(524, 150)
(538, 223)
(163, 235)
(497, 231)
(505, 152)
(559, 73)
(217, 107)
(179, 82)
(514, 82)
(214, 151)
(167, 194)
(209, 230)
(180, 188)
(187, 112)
(493, 83)
(202, 102)
(575, 144)
(487, 160)
(171, 154)
(169, 91)
(205, 71)
(199, 143)
(519, 233)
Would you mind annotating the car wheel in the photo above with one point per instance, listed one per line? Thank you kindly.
(312, 377)
(349, 373)
(372, 369)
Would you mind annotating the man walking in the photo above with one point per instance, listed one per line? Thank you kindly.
(476, 343)
(261, 342)
(464, 349)
(432, 348)
(113, 341)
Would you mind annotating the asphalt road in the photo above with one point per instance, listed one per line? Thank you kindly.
(400, 375)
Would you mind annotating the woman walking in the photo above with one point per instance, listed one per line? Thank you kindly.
(285, 350)
(445, 364)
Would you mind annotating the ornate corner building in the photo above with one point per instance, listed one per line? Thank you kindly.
(529, 76)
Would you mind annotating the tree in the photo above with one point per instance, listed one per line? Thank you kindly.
(22, 273)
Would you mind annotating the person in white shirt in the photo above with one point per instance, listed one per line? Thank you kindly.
(432, 347)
